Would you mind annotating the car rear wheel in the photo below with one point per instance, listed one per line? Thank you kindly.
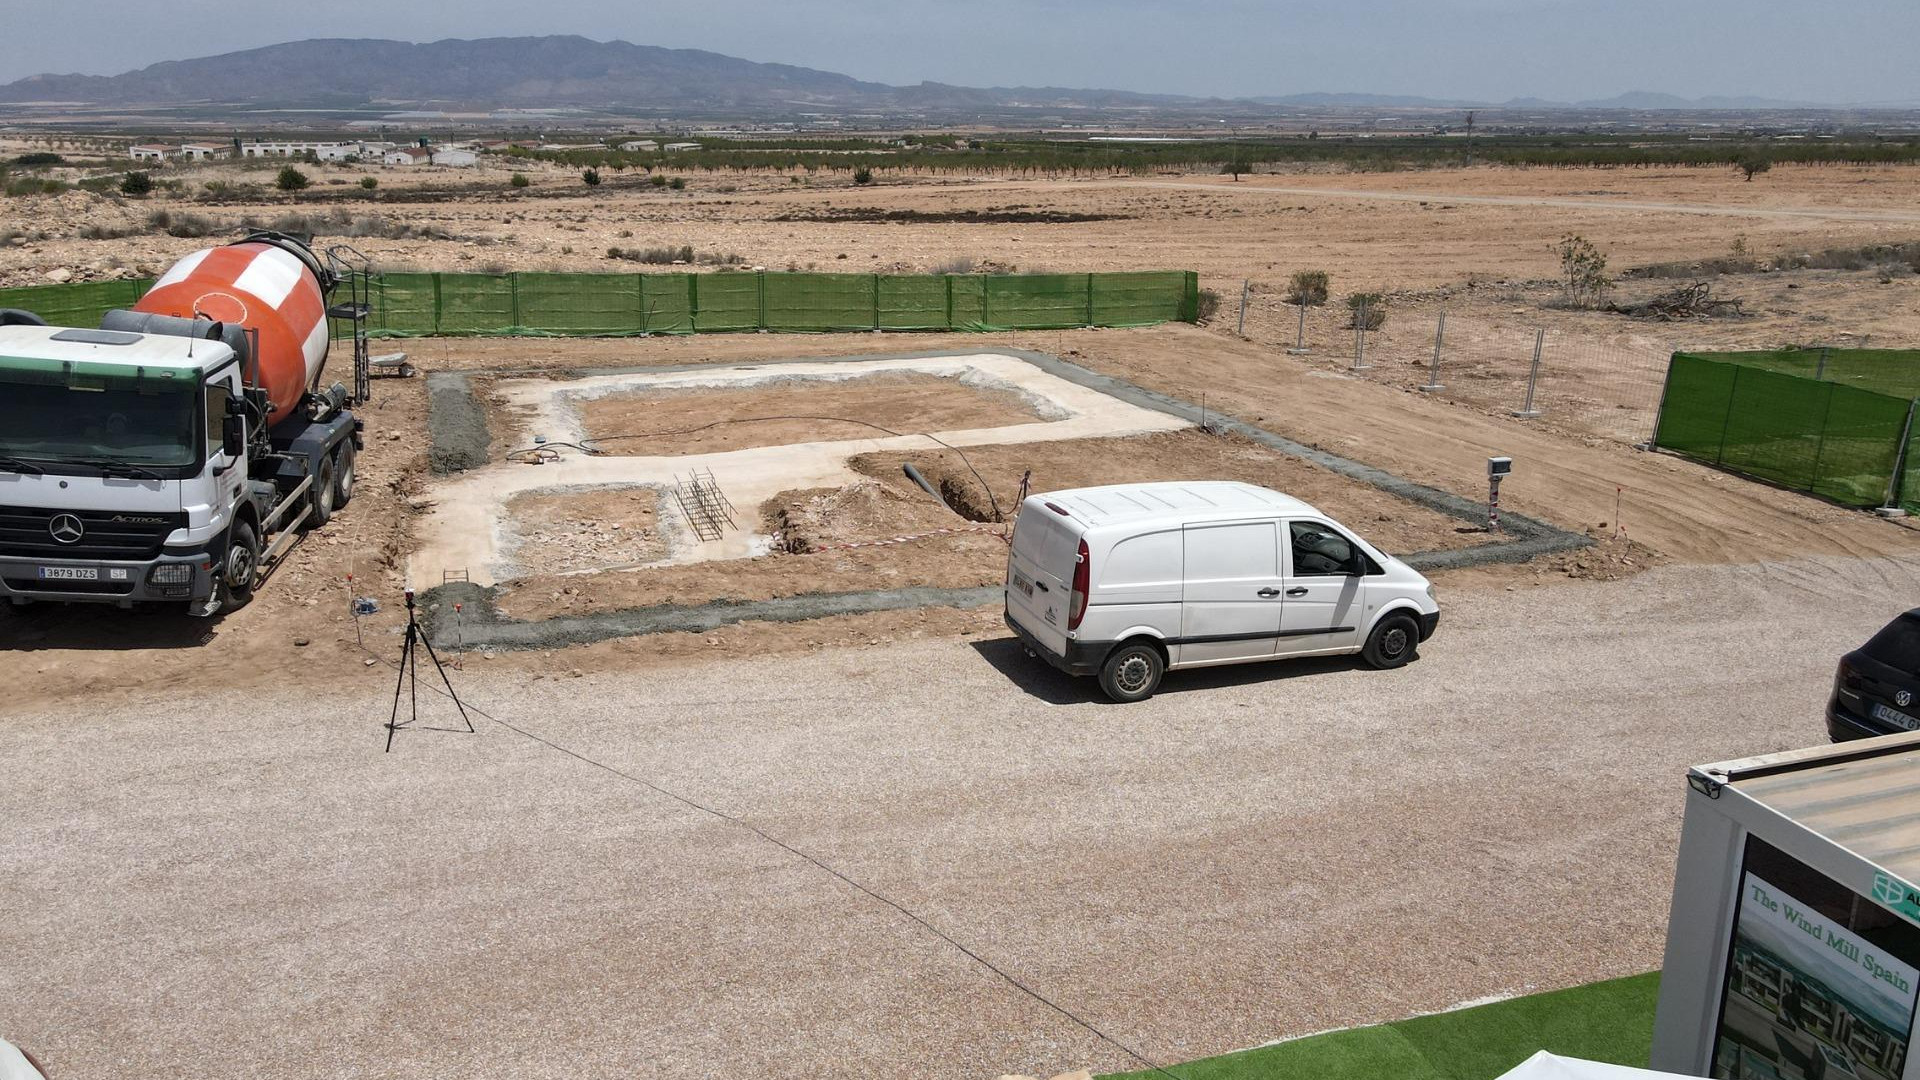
(1393, 641)
(1132, 672)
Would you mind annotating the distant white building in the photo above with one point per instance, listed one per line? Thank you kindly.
(154, 152)
(325, 151)
(204, 151)
(641, 146)
(408, 155)
(454, 156)
(677, 146)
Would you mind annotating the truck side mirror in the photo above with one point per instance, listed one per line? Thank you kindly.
(233, 435)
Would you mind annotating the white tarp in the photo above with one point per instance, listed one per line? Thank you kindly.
(1545, 1066)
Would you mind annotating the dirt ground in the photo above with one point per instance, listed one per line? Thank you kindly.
(823, 533)
(794, 412)
(563, 532)
(1479, 248)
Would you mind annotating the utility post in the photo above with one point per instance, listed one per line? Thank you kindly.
(1246, 286)
(1360, 337)
(1433, 372)
(1527, 411)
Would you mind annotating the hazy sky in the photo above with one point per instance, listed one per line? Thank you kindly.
(1840, 51)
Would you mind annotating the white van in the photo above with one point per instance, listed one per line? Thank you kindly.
(1129, 581)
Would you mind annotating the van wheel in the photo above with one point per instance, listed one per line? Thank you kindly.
(324, 494)
(1132, 672)
(1392, 643)
(239, 566)
(343, 476)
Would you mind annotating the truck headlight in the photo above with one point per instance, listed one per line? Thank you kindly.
(1430, 595)
(178, 573)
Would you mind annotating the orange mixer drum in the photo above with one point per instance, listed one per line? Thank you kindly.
(265, 289)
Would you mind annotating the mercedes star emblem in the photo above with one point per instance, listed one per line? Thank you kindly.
(66, 528)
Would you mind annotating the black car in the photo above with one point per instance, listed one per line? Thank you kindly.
(1877, 689)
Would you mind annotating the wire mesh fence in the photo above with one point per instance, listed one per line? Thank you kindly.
(1606, 386)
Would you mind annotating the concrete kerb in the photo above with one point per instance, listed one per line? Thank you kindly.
(460, 441)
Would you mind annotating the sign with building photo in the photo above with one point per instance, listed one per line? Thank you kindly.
(1808, 996)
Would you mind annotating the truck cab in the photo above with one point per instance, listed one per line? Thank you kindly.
(133, 470)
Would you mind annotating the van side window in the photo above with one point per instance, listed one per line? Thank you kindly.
(218, 394)
(1318, 551)
(1143, 560)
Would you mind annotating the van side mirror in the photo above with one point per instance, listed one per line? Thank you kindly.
(233, 435)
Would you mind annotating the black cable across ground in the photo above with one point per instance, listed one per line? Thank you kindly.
(810, 859)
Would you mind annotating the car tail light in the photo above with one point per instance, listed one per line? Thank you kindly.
(1848, 677)
(1082, 583)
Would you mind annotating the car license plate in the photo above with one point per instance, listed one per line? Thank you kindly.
(1023, 583)
(1895, 717)
(69, 573)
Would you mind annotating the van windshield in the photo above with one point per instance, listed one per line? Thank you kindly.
(51, 419)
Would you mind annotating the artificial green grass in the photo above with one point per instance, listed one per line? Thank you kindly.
(1606, 1021)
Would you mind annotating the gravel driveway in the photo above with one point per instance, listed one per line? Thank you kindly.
(248, 887)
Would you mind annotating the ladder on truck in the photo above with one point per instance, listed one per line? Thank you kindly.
(349, 308)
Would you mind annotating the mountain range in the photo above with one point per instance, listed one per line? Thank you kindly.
(568, 71)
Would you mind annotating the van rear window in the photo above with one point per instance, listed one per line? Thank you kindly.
(1897, 645)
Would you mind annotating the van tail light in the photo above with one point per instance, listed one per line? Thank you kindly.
(1082, 584)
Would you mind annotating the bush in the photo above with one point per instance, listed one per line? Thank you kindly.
(39, 158)
(1209, 304)
(136, 184)
(678, 183)
(519, 180)
(1752, 163)
(657, 180)
(1308, 288)
(369, 182)
(1375, 306)
(186, 226)
(591, 178)
(863, 176)
(291, 179)
(1584, 270)
(660, 256)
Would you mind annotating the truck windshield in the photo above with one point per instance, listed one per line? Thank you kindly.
(51, 419)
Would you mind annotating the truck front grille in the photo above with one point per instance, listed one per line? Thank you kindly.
(28, 532)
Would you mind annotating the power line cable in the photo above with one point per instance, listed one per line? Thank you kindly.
(731, 819)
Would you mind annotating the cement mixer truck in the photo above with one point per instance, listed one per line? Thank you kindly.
(173, 452)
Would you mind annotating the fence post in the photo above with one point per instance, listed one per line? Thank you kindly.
(1653, 437)
(693, 302)
(1527, 411)
(1245, 285)
(1439, 335)
(1360, 337)
(1089, 321)
(513, 294)
(949, 278)
(437, 306)
(1891, 506)
(876, 302)
(1300, 335)
(762, 276)
(1820, 373)
(1820, 444)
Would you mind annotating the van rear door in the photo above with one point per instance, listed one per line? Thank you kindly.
(1046, 543)
(1230, 608)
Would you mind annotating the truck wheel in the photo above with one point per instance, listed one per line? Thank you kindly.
(343, 476)
(1132, 672)
(324, 493)
(1392, 642)
(239, 566)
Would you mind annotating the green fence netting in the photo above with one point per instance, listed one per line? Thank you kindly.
(408, 304)
(1774, 420)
